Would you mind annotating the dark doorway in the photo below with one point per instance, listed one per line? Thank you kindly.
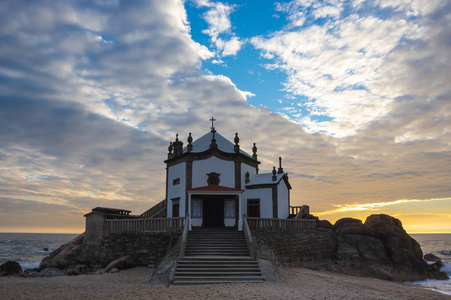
(213, 212)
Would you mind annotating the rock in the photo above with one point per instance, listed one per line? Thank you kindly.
(78, 270)
(81, 269)
(121, 264)
(347, 226)
(65, 256)
(45, 249)
(346, 220)
(71, 272)
(324, 224)
(403, 251)
(379, 248)
(114, 270)
(432, 257)
(363, 256)
(10, 268)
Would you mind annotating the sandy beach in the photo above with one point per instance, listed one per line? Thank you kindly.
(133, 284)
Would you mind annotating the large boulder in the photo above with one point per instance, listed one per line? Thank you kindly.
(323, 224)
(351, 226)
(10, 268)
(65, 256)
(404, 252)
(431, 257)
(364, 256)
(122, 263)
(379, 248)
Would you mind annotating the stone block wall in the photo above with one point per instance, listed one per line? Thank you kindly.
(307, 248)
(145, 248)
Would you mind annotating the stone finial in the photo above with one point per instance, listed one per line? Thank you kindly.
(274, 177)
(189, 147)
(178, 146)
(170, 148)
(254, 151)
(213, 140)
(236, 148)
(280, 171)
(247, 176)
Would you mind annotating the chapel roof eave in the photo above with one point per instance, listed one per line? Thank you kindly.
(209, 153)
(215, 189)
(268, 181)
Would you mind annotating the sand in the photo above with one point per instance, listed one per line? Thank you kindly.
(133, 284)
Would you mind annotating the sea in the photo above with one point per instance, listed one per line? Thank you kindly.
(28, 249)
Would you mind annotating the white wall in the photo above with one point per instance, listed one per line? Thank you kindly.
(213, 164)
(282, 196)
(265, 196)
(245, 168)
(176, 191)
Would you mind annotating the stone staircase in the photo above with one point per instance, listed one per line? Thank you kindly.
(216, 256)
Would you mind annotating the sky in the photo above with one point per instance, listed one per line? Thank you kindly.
(354, 95)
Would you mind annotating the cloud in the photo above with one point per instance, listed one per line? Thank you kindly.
(376, 206)
(355, 69)
(218, 20)
(91, 95)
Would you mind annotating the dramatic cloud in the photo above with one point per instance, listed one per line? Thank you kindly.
(91, 94)
(350, 69)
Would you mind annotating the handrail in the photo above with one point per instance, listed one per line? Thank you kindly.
(280, 224)
(250, 243)
(184, 236)
(151, 212)
(144, 224)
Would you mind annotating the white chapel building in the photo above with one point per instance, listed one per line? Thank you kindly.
(215, 182)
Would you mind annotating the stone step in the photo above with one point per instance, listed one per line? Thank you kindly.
(217, 268)
(216, 279)
(217, 253)
(219, 250)
(215, 256)
(226, 247)
(216, 273)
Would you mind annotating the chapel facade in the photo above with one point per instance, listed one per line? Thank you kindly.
(215, 182)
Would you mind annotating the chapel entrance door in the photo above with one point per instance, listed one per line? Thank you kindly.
(213, 212)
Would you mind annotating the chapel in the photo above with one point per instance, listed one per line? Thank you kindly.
(214, 182)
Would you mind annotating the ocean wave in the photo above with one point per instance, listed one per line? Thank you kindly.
(43, 251)
(441, 286)
(29, 265)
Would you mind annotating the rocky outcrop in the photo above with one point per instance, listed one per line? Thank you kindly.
(125, 249)
(10, 268)
(431, 257)
(323, 224)
(378, 248)
(64, 257)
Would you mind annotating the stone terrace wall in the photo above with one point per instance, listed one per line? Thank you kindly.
(145, 248)
(307, 248)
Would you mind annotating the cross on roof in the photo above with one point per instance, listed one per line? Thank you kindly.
(212, 123)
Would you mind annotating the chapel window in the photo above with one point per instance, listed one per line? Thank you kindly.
(253, 208)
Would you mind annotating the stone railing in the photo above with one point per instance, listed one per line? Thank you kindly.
(280, 224)
(154, 210)
(251, 244)
(184, 237)
(147, 224)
